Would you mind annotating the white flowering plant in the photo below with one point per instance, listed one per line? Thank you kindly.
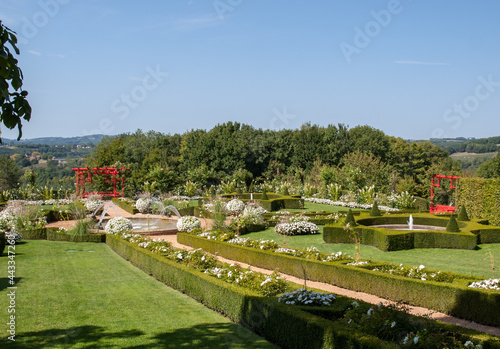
(489, 284)
(420, 272)
(118, 226)
(297, 228)
(235, 206)
(143, 204)
(267, 285)
(393, 323)
(350, 204)
(92, 204)
(307, 297)
(188, 223)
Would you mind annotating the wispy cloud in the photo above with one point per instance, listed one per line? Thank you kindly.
(420, 63)
(184, 24)
(36, 53)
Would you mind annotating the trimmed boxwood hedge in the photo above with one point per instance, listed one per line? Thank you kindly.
(52, 234)
(481, 198)
(123, 205)
(287, 326)
(481, 306)
(472, 233)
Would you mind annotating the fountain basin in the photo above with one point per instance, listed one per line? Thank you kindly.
(418, 227)
(151, 226)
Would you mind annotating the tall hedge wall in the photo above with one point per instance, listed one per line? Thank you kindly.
(481, 198)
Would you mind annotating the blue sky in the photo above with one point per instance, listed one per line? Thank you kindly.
(412, 68)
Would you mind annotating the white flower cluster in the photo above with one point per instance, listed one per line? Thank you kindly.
(182, 197)
(7, 221)
(286, 250)
(143, 204)
(235, 206)
(253, 215)
(92, 204)
(118, 226)
(188, 223)
(489, 284)
(42, 202)
(299, 218)
(307, 297)
(358, 263)
(349, 204)
(337, 256)
(298, 228)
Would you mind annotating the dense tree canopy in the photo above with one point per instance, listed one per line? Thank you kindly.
(9, 174)
(357, 157)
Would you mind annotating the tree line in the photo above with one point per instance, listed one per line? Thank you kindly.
(352, 157)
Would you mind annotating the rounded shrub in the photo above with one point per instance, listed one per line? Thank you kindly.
(296, 228)
(188, 223)
(118, 226)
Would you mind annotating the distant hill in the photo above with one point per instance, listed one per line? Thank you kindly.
(466, 145)
(91, 139)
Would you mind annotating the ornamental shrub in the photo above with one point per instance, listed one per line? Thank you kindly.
(307, 297)
(452, 226)
(143, 204)
(118, 226)
(92, 204)
(297, 228)
(375, 211)
(188, 223)
(235, 206)
(264, 196)
(462, 214)
(350, 219)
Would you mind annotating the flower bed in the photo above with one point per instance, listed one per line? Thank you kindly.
(188, 223)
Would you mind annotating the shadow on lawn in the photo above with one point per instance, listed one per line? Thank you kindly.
(217, 335)
(5, 282)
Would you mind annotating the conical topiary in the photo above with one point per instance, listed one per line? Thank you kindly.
(264, 196)
(374, 212)
(350, 219)
(462, 215)
(452, 225)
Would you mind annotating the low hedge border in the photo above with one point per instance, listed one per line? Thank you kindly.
(481, 306)
(472, 233)
(286, 326)
(123, 205)
(276, 202)
(52, 234)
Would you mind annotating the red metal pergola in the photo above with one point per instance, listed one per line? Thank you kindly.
(434, 183)
(84, 175)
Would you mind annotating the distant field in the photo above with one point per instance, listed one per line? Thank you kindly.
(464, 156)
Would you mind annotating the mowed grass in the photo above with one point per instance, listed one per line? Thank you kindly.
(477, 262)
(83, 295)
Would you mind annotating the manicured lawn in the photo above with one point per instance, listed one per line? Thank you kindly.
(83, 295)
(460, 261)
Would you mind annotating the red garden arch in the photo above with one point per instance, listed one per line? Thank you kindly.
(435, 184)
(84, 175)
